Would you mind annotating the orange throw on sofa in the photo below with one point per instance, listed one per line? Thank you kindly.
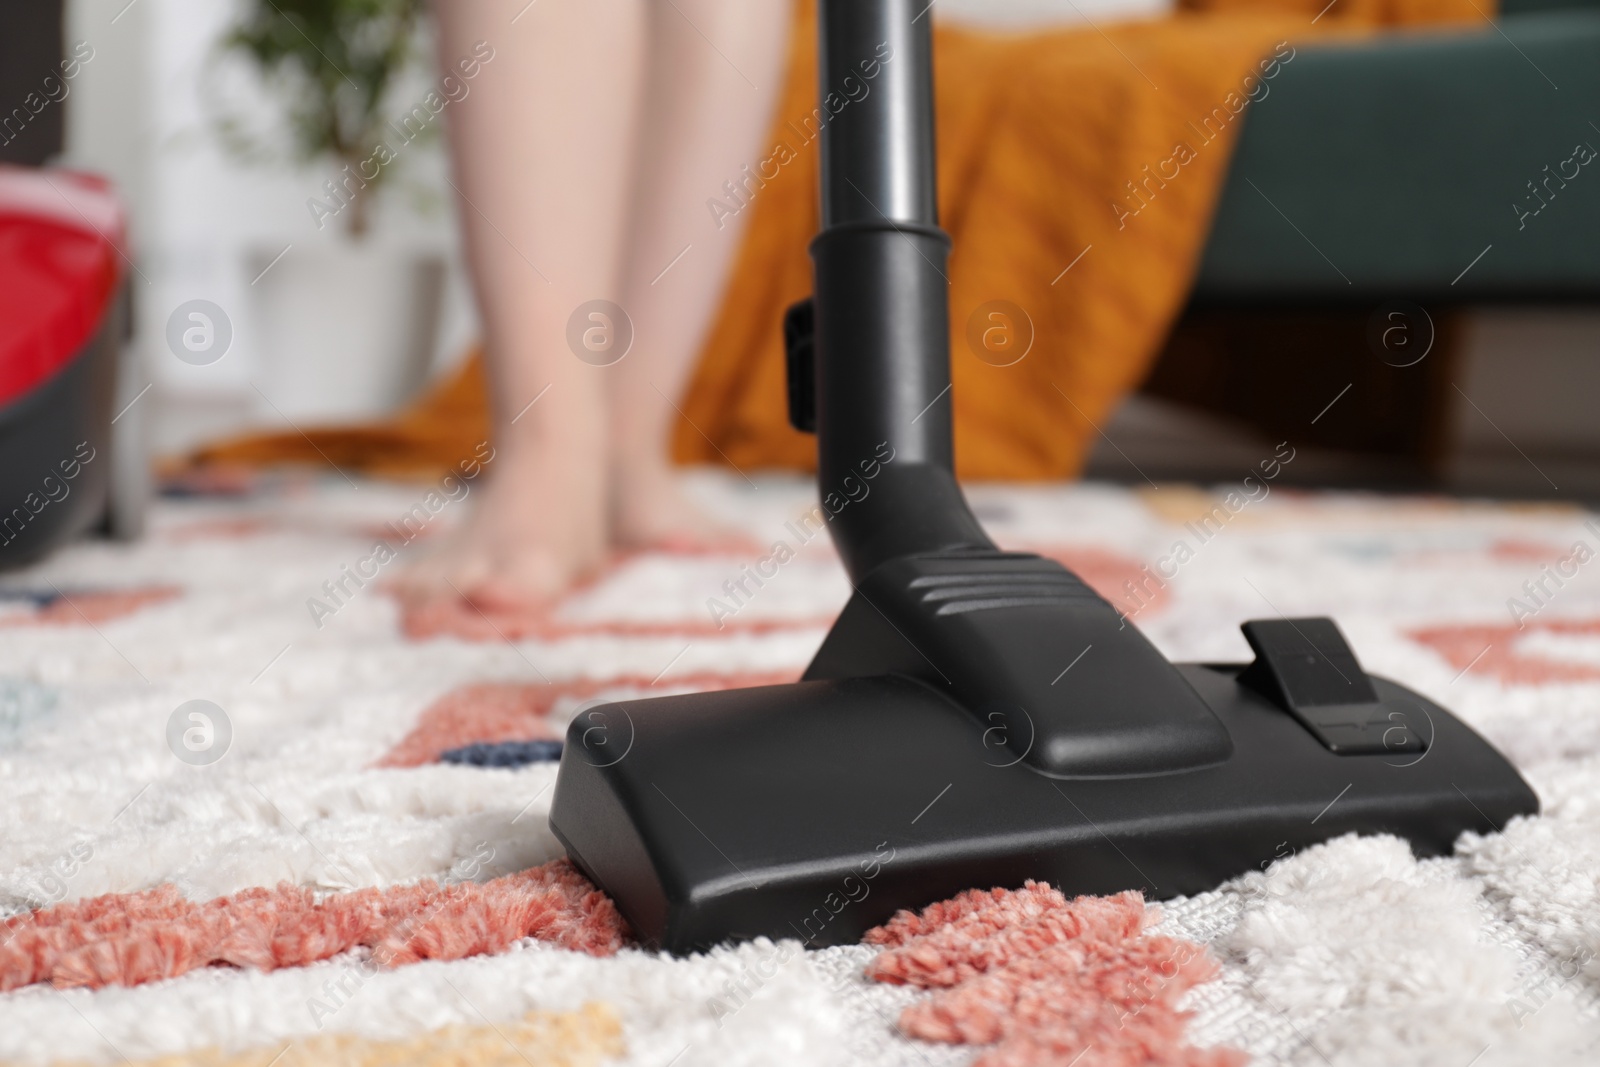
(1078, 173)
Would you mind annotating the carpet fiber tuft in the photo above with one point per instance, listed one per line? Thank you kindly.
(1047, 980)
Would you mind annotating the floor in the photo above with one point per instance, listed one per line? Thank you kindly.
(328, 713)
(1518, 421)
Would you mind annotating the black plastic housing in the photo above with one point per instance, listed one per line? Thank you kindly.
(1034, 654)
(975, 717)
(64, 420)
(800, 364)
(816, 810)
(880, 317)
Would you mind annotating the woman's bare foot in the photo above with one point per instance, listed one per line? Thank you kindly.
(536, 527)
(651, 509)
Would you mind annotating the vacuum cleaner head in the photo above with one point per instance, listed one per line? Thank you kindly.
(975, 717)
(1014, 729)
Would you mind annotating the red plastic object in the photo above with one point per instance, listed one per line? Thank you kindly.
(60, 232)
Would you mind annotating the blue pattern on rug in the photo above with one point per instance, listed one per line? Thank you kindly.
(504, 753)
(22, 703)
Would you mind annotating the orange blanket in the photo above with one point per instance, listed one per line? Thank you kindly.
(1078, 172)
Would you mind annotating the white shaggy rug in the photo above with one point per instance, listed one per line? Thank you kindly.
(1351, 953)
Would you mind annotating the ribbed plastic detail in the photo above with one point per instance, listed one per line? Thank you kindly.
(1001, 584)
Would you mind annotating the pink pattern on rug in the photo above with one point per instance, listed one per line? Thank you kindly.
(1108, 573)
(227, 528)
(130, 938)
(1491, 650)
(516, 711)
(470, 621)
(1046, 980)
(1518, 550)
(89, 608)
(453, 617)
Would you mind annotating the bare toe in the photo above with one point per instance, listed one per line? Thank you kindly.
(650, 509)
(518, 550)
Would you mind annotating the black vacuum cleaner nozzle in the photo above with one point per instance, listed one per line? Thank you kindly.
(975, 717)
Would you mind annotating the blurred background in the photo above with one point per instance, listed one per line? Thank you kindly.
(155, 109)
(221, 208)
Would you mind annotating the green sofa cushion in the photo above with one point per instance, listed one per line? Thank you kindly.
(1388, 168)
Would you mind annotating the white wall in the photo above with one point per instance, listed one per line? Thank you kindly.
(203, 221)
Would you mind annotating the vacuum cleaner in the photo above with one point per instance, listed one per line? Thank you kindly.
(975, 717)
(65, 466)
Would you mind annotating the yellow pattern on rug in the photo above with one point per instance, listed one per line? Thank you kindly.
(582, 1038)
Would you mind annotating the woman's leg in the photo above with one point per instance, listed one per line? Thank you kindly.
(544, 150)
(714, 72)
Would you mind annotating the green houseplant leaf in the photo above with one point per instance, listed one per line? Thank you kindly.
(332, 64)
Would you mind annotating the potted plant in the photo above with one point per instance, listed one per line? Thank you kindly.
(344, 322)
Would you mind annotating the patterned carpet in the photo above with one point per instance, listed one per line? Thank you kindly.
(252, 815)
